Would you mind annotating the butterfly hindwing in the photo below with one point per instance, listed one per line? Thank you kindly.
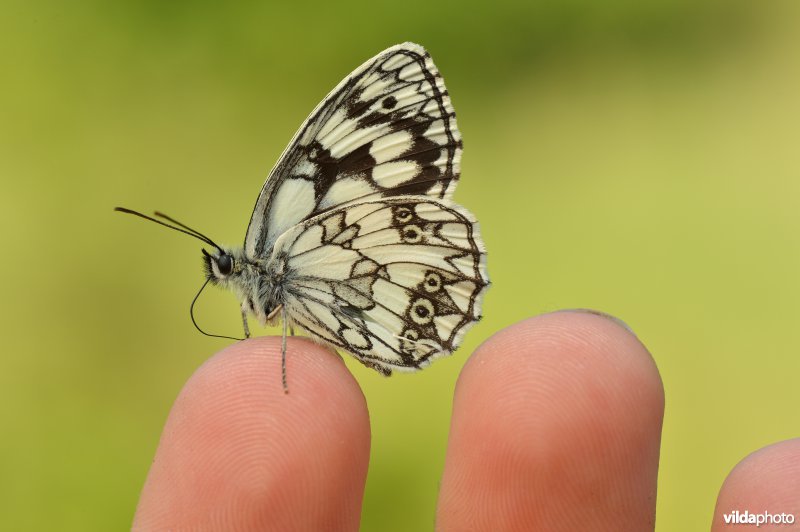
(396, 282)
(387, 129)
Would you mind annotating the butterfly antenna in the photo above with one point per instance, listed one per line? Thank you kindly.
(191, 315)
(182, 225)
(177, 227)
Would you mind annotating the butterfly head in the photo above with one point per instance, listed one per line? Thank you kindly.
(221, 264)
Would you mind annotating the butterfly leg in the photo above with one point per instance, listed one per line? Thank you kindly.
(244, 322)
(283, 351)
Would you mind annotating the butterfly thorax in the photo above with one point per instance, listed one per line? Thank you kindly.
(257, 283)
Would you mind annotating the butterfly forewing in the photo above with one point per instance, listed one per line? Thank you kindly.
(387, 129)
(396, 282)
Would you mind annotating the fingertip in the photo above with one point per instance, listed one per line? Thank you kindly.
(238, 452)
(557, 412)
(559, 337)
(765, 481)
(562, 362)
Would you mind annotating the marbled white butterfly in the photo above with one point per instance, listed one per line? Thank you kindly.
(354, 238)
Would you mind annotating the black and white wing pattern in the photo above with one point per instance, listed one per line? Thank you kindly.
(387, 129)
(396, 281)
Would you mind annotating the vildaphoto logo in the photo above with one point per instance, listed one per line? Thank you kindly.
(764, 518)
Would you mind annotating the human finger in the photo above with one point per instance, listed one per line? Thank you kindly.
(556, 426)
(237, 453)
(763, 490)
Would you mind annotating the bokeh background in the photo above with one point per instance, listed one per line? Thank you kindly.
(636, 157)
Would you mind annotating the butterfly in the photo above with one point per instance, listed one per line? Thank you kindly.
(354, 238)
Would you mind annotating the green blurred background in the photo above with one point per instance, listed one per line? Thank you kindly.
(635, 157)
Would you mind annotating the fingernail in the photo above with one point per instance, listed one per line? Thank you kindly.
(602, 315)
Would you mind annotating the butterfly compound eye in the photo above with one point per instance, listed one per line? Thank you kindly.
(225, 264)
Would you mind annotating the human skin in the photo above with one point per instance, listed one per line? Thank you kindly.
(556, 426)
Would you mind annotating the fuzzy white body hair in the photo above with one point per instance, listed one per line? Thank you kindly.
(256, 283)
